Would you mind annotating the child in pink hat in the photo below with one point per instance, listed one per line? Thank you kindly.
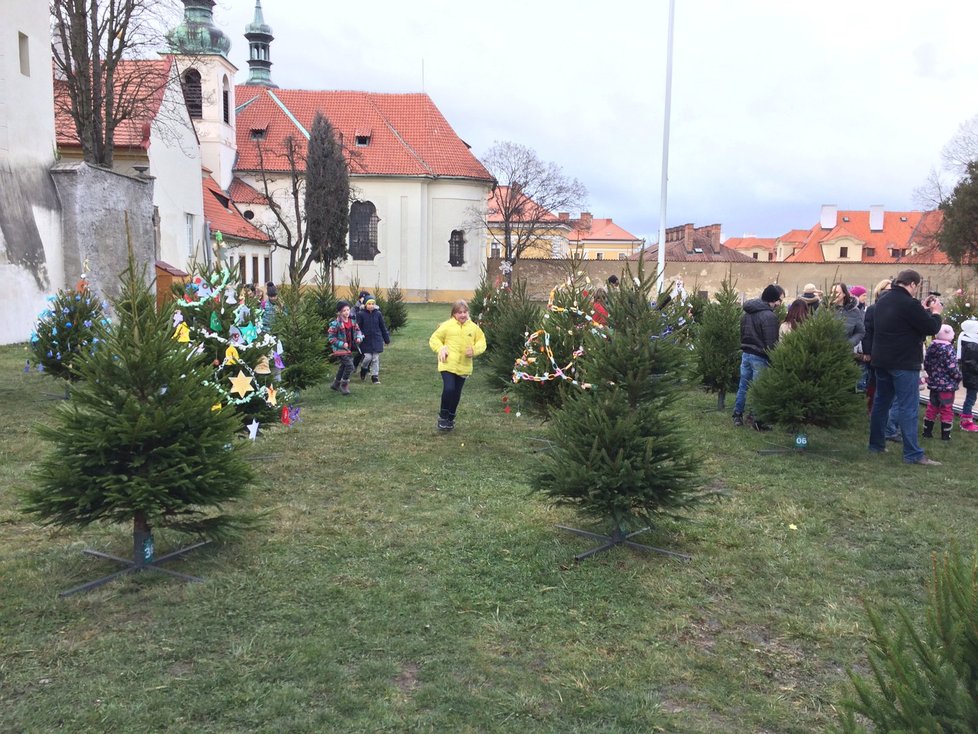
(943, 378)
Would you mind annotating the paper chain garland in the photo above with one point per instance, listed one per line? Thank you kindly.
(537, 344)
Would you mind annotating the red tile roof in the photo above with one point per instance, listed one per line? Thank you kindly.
(748, 243)
(499, 198)
(897, 233)
(408, 136)
(242, 193)
(143, 81)
(223, 216)
(676, 252)
(604, 230)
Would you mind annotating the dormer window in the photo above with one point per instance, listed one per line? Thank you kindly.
(845, 219)
(362, 141)
(258, 133)
(903, 219)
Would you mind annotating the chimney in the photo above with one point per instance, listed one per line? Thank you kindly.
(585, 220)
(830, 215)
(563, 216)
(876, 218)
(714, 233)
(688, 230)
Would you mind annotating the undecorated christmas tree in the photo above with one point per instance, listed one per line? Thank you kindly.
(303, 333)
(811, 379)
(322, 297)
(73, 324)
(923, 675)
(717, 343)
(620, 454)
(226, 323)
(144, 439)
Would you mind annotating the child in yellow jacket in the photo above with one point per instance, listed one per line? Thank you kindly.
(456, 342)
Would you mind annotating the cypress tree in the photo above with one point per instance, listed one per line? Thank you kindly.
(717, 343)
(140, 441)
(619, 454)
(811, 379)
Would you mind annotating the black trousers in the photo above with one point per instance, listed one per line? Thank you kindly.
(451, 393)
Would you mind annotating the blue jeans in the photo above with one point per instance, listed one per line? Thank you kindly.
(969, 401)
(750, 367)
(902, 388)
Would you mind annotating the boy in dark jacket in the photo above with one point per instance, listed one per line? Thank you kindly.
(758, 334)
(375, 336)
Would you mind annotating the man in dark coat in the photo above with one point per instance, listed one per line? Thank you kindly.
(758, 334)
(900, 324)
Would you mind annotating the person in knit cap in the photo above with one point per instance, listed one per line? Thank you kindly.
(758, 334)
(812, 296)
(375, 336)
(967, 355)
(861, 295)
(344, 336)
(943, 376)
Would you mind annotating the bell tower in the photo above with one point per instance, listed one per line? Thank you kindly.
(207, 76)
(260, 38)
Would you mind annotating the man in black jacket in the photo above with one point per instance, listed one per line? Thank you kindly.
(758, 334)
(900, 324)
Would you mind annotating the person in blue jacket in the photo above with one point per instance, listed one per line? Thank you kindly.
(375, 336)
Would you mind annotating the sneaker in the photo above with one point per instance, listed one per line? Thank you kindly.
(924, 461)
(895, 438)
(738, 420)
(375, 380)
(444, 425)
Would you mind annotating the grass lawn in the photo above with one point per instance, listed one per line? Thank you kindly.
(411, 581)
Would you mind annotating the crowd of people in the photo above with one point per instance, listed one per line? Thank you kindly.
(888, 339)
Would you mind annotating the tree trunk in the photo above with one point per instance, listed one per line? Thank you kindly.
(721, 400)
(142, 540)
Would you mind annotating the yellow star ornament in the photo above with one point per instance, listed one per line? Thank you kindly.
(241, 384)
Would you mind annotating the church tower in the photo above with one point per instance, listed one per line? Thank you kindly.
(201, 51)
(260, 38)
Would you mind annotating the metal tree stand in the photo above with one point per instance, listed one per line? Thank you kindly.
(619, 537)
(142, 559)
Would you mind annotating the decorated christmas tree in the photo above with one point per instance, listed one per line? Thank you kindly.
(226, 324)
(551, 361)
(959, 307)
(73, 324)
(717, 343)
(811, 379)
(619, 453)
(144, 439)
(514, 316)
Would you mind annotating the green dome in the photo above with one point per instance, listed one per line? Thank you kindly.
(198, 34)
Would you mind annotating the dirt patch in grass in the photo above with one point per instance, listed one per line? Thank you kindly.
(407, 679)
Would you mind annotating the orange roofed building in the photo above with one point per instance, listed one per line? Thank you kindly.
(855, 236)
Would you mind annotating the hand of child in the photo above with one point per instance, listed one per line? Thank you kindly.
(468, 351)
(443, 354)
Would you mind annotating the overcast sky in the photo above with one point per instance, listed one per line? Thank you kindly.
(778, 107)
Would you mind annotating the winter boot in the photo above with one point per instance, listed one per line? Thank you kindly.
(928, 429)
(363, 375)
(335, 385)
(738, 420)
(345, 387)
(946, 431)
(375, 380)
(967, 424)
(443, 423)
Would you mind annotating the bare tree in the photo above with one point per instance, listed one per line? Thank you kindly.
(92, 43)
(282, 175)
(956, 155)
(524, 211)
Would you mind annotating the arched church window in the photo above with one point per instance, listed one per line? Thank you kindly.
(363, 230)
(456, 248)
(192, 94)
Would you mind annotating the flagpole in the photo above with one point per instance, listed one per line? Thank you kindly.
(665, 152)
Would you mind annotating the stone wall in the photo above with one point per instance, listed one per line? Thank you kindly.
(97, 206)
(750, 277)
